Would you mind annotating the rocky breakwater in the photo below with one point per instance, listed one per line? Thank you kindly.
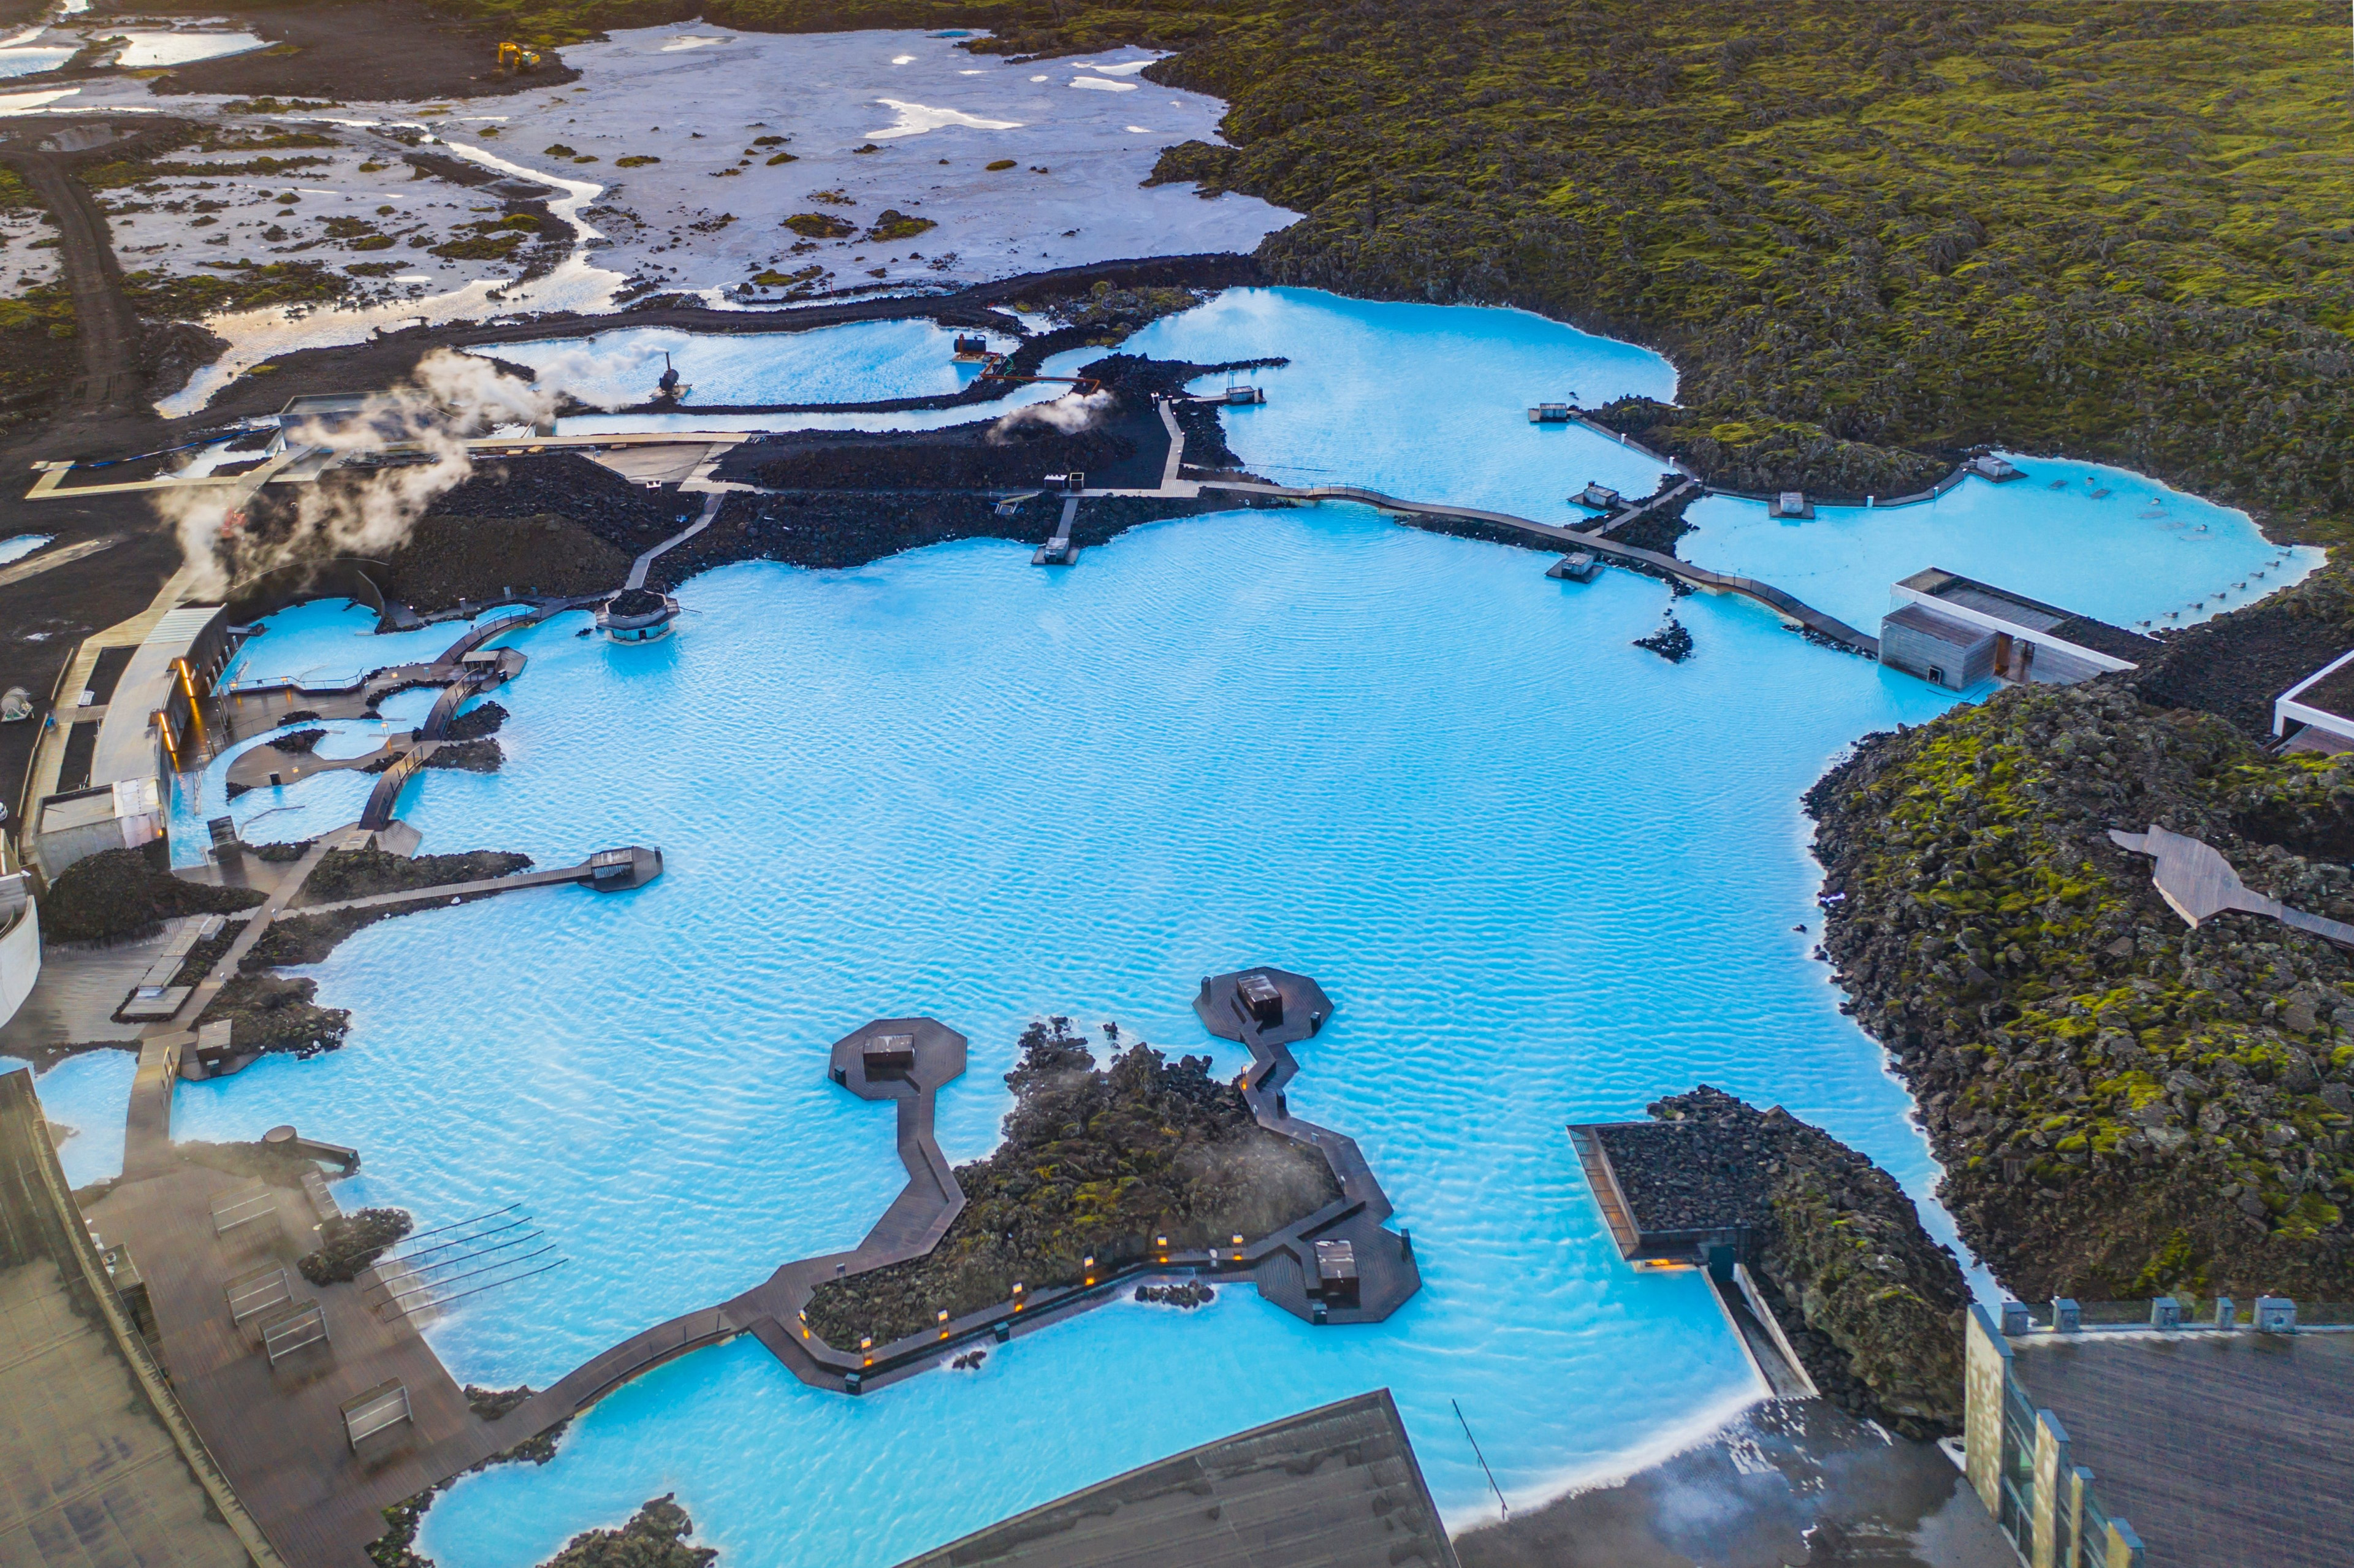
(1095, 1163)
(1870, 1302)
(2123, 1105)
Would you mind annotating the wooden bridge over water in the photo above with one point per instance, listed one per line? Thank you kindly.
(1789, 608)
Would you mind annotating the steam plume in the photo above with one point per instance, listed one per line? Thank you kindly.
(1069, 415)
(450, 397)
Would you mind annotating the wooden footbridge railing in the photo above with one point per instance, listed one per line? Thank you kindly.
(1784, 605)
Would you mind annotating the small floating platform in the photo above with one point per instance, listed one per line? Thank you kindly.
(1059, 551)
(1792, 506)
(897, 1058)
(618, 870)
(1262, 1007)
(637, 614)
(1552, 413)
(1577, 567)
(286, 1140)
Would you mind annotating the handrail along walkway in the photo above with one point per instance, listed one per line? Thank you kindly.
(1782, 604)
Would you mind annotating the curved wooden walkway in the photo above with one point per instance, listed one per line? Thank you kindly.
(918, 1219)
(1787, 606)
(458, 681)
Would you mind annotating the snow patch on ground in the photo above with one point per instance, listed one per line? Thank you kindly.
(859, 363)
(726, 135)
(18, 102)
(146, 50)
(915, 118)
(26, 267)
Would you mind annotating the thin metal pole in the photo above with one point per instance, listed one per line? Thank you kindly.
(461, 1224)
(525, 1240)
(454, 1279)
(477, 1290)
(1482, 1459)
(461, 1241)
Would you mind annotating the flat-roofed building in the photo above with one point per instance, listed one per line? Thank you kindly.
(102, 1465)
(1956, 632)
(2317, 712)
(2161, 1440)
(1336, 1487)
(79, 823)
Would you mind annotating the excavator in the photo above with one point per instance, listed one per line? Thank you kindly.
(516, 60)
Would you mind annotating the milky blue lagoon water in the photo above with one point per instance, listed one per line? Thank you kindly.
(862, 362)
(1547, 876)
(92, 1095)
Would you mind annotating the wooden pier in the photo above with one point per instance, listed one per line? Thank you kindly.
(606, 871)
(1790, 609)
(1059, 551)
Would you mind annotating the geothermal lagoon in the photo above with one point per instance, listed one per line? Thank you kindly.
(1546, 875)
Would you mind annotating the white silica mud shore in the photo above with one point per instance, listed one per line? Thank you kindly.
(872, 121)
(747, 168)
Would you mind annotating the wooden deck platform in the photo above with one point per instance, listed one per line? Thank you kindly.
(644, 865)
(1059, 551)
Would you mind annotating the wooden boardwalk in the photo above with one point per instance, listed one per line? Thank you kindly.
(647, 867)
(1643, 509)
(929, 1202)
(645, 563)
(1782, 604)
(1604, 1184)
(1057, 551)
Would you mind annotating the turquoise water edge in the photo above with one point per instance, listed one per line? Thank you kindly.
(1546, 875)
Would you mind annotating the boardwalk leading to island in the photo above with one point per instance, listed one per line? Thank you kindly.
(1787, 606)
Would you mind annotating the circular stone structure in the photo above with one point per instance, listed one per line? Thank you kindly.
(897, 1058)
(1262, 1006)
(637, 614)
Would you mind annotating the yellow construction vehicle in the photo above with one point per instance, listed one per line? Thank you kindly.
(514, 59)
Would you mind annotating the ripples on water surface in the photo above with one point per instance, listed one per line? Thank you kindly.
(864, 362)
(1547, 875)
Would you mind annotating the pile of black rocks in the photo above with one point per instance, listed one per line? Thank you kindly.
(1188, 1294)
(1873, 1306)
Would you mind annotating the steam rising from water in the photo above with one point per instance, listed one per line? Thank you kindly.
(451, 396)
(1069, 415)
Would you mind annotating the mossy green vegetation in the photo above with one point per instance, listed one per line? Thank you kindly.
(1868, 236)
(1096, 1164)
(2122, 1103)
(240, 285)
